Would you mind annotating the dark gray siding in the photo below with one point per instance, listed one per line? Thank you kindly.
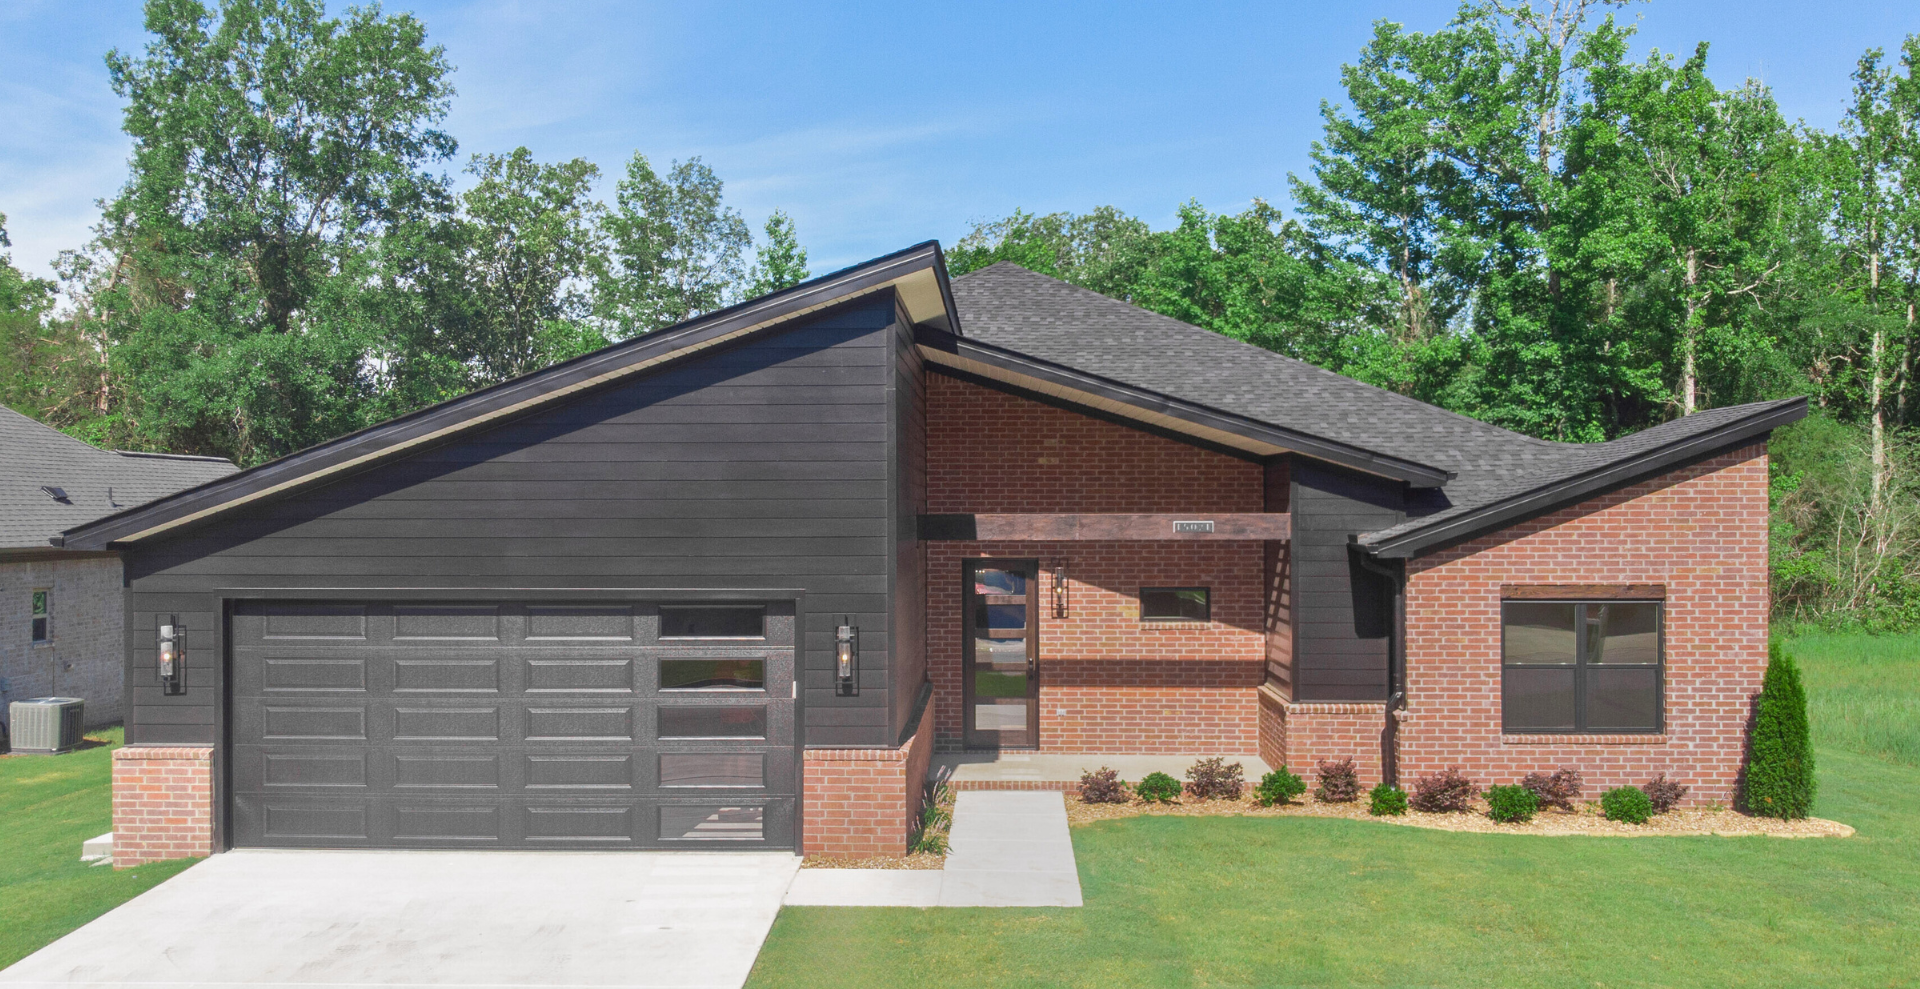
(908, 554)
(764, 465)
(1342, 613)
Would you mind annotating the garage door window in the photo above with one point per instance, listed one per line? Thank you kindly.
(712, 823)
(713, 722)
(713, 622)
(713, 674)
(710, 770)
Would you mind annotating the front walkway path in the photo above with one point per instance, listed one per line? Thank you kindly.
(1008, 849)
(1055, 771)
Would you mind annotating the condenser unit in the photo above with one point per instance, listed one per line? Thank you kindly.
(46, 725)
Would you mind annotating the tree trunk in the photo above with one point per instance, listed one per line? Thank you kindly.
(1689, 384)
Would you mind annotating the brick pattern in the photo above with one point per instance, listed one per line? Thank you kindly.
(162, 803)
(1700, 530)
(863, 802)
(1317, 733)
(83, 659)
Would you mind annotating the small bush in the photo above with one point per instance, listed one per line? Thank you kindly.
(1627, 804)
(1511, 804)
(1339, 782)
(1157, 788)
(1779, 778)
(1558, 790)
(1215, 779)
(1279, 786)
(1387, 800)
(1103, 786)
(1443, 793)
(935, 821)
(1664, 794)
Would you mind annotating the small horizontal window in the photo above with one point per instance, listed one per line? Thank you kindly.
(713, 622)
(713, 674)
(713, 722)
(1175, 604)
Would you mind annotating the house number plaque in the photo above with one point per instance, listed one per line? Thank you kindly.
(1196, 526)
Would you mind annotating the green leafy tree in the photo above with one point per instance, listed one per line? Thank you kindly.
(43, 363)
(1779, 780)
(674, 249)
(1104, 250)
(780, 262)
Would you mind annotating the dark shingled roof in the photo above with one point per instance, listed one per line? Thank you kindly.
(97, 482)
(1010, 307)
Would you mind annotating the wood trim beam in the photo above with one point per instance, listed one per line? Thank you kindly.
(1573, 592)
(1262, 526)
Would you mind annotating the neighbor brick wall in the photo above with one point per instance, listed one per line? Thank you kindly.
(84, 657)
(162, 803)
(1700, 530)
(862, 802)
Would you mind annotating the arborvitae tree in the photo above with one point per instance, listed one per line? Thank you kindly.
(1779, 781)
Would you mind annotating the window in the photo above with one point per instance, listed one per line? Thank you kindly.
(713, 722)
(42, 615)
(1571, 666)
(713, 623)
(713, 674)
(1175, 604)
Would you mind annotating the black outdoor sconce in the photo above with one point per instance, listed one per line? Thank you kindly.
(846, 660)
(173, 659)
(1059, 588)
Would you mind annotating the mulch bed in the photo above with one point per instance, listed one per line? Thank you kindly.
(918, 860)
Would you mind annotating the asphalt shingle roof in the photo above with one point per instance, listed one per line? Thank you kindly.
(1007, 306)
(97, 482)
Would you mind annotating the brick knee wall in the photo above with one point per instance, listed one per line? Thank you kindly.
(1273, 727)
(863, 802)
(1701, 531)
(1301, 736)
(162, 803)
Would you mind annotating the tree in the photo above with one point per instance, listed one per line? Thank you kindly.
(1779, 780)
(780, 262)
(43, 364)
(1104, 250)
(674, 249)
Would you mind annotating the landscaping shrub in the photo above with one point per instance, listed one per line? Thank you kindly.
(1158, 788)
(1664, 794)
(1779, 778)
(1626, 803)
(935, 821)
(1279, 786)
(1446, 792)
(1559, 790)
(1103, 786)
(1339, 782)
(1511, 804)
(1387, 800)
(1215, 779)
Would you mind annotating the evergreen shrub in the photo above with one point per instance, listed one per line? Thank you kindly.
(1157, 788)
(1279, 787)
(1511, 804)
(1387, 800)
(1628, 804)
(1779, 778)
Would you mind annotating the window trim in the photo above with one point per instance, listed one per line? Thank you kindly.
(1141, 600)
(1579, 666)
(43, 616)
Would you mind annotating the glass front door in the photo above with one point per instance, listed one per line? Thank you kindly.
(1002, 654)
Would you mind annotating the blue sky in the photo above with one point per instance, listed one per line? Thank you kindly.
(877, 125)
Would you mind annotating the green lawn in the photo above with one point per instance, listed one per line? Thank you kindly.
(48, 806)
(1277, 902)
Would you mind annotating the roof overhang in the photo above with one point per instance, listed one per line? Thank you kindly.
(917, 276)
(1159, 411)
(1497, 514)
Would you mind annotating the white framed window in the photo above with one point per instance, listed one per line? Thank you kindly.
(42, 614)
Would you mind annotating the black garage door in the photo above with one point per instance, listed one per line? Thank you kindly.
(512, 724)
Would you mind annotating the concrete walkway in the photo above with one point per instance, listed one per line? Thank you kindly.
(1031, 768)
(1008, 849)
(502, 919)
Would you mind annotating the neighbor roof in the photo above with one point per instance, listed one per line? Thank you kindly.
(96, 482)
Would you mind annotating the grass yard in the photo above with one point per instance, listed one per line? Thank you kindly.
(48, 806)
(1278, 902)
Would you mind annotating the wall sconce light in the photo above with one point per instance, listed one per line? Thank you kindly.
(846, 659)
(1059, 588)
(172, 655)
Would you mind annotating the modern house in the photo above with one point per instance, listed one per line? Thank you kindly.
(60, 628)
(735, 581)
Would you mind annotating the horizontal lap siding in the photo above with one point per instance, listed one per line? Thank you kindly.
(1341, 613)
(764, 465)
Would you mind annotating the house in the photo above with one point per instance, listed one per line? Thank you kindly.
(60, 630)
(737, 580)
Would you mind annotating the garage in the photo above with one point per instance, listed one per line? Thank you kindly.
(548, 723)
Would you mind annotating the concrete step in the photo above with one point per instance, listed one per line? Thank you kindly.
(97, 849)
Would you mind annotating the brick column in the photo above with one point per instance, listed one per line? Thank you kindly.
(162, 803)
(863, 802)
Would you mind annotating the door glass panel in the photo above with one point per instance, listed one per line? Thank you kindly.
(998, 643)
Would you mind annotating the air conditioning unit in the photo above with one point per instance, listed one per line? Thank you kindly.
(46, 725)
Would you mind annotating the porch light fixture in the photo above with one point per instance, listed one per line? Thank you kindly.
(846, 659)
(172, 655)
(1059, 588)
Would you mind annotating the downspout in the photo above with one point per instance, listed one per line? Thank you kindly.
(1396, 663)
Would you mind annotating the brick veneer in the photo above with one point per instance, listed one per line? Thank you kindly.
(1314, 733)
(1701, 531)
(162, 803)
(863, 801)
(84, 657)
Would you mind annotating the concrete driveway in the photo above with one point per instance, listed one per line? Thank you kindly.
(340, 918)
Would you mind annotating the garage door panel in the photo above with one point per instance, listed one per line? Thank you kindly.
(508, 724)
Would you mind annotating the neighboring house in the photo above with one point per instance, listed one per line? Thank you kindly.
(60, 628)
(737, 580)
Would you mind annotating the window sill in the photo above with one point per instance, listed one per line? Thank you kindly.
(1583, 740)
(1148, 624)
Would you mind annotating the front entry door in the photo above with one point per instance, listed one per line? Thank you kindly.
(1002, 664)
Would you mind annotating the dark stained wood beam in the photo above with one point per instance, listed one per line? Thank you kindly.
(1587, 592)
(1261, 526)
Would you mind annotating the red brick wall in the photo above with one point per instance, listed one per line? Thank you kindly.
(162, 803)
(863, 802)
(1700, 530)
(1319, 732)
